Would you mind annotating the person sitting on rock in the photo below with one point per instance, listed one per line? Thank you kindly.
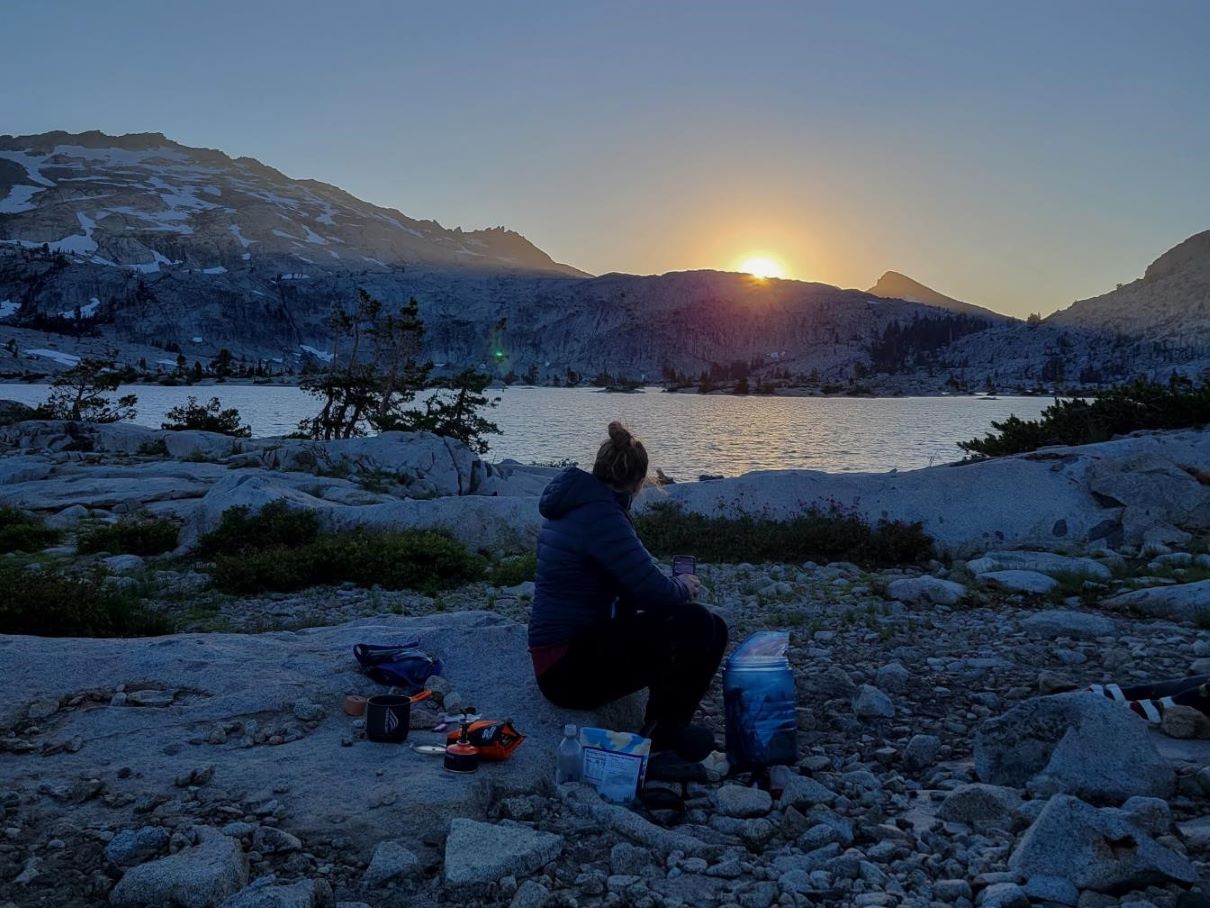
(606, 621)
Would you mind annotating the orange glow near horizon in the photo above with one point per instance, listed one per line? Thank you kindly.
(762, 267)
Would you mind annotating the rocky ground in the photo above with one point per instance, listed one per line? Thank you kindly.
(898, 797)
(939, 762)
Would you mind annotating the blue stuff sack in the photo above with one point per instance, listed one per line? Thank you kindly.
(401, 665)
(759, 697)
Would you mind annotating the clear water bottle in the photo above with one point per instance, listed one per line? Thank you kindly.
(567, 767)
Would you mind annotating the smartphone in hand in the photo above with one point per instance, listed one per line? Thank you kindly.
(683, 564)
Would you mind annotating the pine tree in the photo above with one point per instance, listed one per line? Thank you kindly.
(454, 410)
(375, 371)
(80, 394)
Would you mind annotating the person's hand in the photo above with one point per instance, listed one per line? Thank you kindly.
(692, 584)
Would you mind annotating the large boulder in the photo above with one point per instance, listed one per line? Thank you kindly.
(252, 489)
(512, 478)
(24, 469)
(500, 525)
(196, 444)
(1154, 485)
(108, 485)
(416, 464)
(1189, 602)
(1076, 743)
(928, 589)
(496, 525)
(64, 435)
(1032, 582)
(190, 683)
(1040, 562)
(1105, 850)
(1054, 498)
(201, 876)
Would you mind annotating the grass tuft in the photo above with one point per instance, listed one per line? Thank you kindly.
(139, 536)
(512, 571)
(816, 534)
(21, 532)
(51, 603)
(281, 549)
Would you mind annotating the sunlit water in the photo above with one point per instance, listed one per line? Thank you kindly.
(685, 434)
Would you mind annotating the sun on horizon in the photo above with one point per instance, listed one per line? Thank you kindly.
(762, 267)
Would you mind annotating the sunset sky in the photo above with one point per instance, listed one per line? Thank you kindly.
(1016, 155)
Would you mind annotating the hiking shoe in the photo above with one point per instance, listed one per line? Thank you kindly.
(689, 742)
(669, 766)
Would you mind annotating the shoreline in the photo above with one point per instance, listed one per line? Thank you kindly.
(645, 389)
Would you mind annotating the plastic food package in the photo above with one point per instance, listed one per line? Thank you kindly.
(614, 762)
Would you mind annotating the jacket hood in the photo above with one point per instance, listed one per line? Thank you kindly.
(574, 488)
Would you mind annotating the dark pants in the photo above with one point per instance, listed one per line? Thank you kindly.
(672, 653)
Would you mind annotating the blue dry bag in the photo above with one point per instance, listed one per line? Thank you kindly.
(758, 692)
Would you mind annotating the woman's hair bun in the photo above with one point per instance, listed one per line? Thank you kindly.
(619, 434)
(621, 461)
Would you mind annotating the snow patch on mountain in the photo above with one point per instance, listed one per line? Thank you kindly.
(19, 199)
(63, 359)
(88, 310)
(320, 355)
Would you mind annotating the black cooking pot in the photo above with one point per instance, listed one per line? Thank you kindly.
(388, 718)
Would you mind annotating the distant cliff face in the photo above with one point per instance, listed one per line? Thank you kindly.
(1170, 302)
(145, 203)
(899, 286)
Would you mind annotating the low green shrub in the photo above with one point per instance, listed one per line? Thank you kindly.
(140, 536)
(51, 603)
(512, 571)
(409, 559)
(1176, 404)
(275, 525)
(816, 534)
(21, 532)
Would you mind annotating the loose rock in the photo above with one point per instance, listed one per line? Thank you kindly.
(1098, 849)
(481, 852)
(200, 876)
(391, 861)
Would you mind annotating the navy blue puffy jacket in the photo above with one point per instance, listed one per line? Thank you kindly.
(589, 556)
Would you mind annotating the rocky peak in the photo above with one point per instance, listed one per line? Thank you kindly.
(893, 285)
(1170, 303)
(1192, 254)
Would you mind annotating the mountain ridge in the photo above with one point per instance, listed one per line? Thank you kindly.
(143, 242)
(143, 200)
(1170, 302)
(896, 285)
